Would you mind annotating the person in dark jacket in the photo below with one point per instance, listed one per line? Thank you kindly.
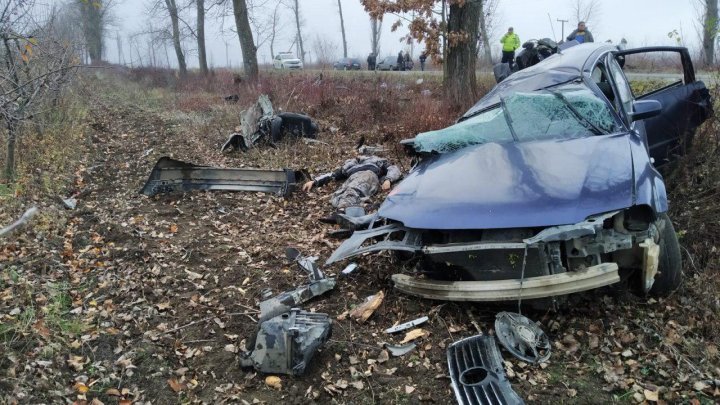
(400, 61)
(363, 175)
(423, 58)
(371, 61)
(407, 63)
(581, 34)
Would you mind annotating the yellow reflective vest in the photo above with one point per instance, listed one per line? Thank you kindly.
(510, 42)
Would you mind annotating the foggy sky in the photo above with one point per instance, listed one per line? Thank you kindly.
(641, 22)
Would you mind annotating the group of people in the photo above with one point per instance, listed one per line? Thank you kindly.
(404, 61)
(511, 41)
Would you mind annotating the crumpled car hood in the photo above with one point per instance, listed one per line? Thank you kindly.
(512, 185)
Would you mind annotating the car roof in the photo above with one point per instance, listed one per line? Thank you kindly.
(559, 68)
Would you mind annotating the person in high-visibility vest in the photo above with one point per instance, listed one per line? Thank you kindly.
(510, 42)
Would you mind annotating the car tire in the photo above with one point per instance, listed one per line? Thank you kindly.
(669, 275)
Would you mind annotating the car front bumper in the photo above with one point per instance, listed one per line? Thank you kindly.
(593, 277)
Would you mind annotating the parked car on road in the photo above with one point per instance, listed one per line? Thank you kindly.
(347, 64)
(390, 63)
(287, 60)
(546, 187)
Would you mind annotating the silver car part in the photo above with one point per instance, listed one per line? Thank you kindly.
(283, 302)
(349, 269)
(405, 239)
(286, 343)
(589, 226)
(509, 289)
(477, 373)
(407, 325)
(400, 350)
(522, 337)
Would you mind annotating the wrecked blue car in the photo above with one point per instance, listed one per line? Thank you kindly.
(546, 187)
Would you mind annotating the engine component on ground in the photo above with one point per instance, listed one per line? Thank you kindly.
(407, 325)
(477, 373)
(286, 343)
(171, 175)
(522, 337)
(283, 302)
(319, 284)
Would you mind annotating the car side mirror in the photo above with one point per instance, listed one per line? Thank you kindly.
(644, 109)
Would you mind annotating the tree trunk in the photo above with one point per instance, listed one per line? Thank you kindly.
(375, 31)
(484, 35)
(299, 33)
(10, 157)
(459, 74)
(247, 44)
(202, 55)
(342, 28)
(92, 26)
(710, 28)
(273, 33)
(174, 19)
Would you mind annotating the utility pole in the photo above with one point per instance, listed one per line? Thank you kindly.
(562, 28)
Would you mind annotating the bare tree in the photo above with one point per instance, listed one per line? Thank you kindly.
(586, 10)
(375, 31)
(324, 49)
(342, 29)
(200, 33)
(484, 31)
(35, 63)
(172, 9)
(294, 6)
(247, 44)
(275, 22)
(710, 28)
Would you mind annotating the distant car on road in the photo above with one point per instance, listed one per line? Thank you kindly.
(287, 60)
(347, 64)
(390, 63)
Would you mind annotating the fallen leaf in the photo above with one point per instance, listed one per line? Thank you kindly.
(76, 362)
(273, 382)
(173, 228)
(81, 387)
(651, 395)
(409, 389)
(175, 385)
(366, 309)
(383, 357)
(113, 392)
(700, 385)
(414, 334)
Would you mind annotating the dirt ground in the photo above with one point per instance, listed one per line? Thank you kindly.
(133, 299)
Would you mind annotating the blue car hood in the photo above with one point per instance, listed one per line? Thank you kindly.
(513, 185)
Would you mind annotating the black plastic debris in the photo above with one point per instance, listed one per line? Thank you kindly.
(286, 343)
(477, 373)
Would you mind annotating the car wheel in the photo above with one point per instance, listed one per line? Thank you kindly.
(669, 274)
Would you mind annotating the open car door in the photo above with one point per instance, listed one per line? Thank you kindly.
(666, 74)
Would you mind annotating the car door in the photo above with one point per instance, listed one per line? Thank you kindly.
(666, 74)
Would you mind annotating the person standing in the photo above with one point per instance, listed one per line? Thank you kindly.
(422, 58)
(510, 42)
(400, 61)
(408, 62)
(581, 34)
(371, 61)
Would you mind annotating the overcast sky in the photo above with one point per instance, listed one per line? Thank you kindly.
(641, 22)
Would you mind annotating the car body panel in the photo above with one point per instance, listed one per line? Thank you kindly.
(686, 105)
(526, 184)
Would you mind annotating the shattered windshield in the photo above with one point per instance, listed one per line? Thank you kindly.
(564, 112)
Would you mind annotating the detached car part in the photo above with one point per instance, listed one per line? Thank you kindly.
(477, 373)
(286, 343)
(522, 337)
(319, 284)
(171, 175)
(400, 350)
(407, 325)
(260, 123)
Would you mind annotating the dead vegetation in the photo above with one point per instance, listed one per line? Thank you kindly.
(129, 298)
